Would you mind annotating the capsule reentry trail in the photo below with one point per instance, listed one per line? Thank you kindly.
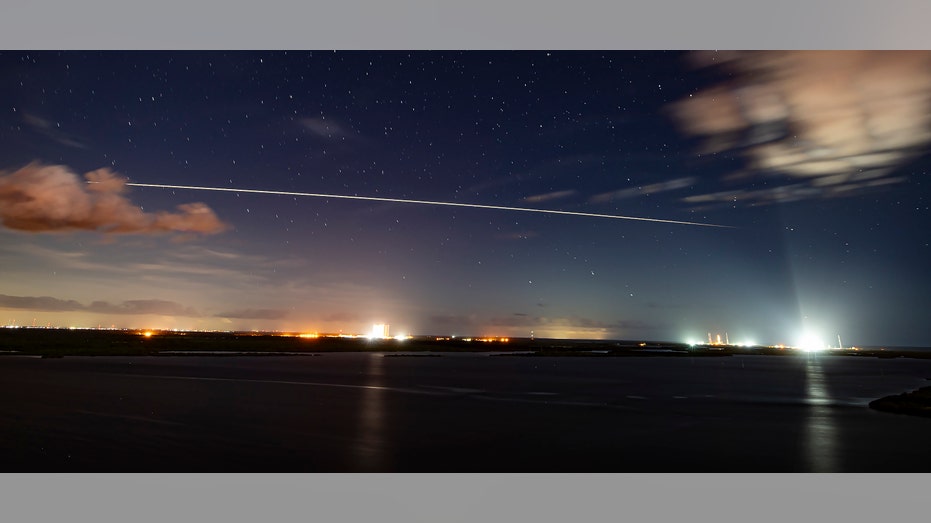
(424, 202)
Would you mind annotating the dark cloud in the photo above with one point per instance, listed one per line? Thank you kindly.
(254, 314)
(40, 198)
(50, 130)
(159, 307)
(325, 128)
(49, 304)
(644, 190)
(39, 303)
(831, 121)
(524, 235)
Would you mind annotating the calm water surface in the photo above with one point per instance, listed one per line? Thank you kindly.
(460, 412)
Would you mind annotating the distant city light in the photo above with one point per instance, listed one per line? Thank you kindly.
(720, 340)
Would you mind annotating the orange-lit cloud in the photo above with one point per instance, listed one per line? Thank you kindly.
(49, 198)
(832, 122)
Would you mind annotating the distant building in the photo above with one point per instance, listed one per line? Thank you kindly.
(380, 330)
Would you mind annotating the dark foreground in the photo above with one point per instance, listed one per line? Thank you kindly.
(459, 412)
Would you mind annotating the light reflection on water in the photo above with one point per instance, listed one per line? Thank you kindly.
(820, 430)
(369, 446)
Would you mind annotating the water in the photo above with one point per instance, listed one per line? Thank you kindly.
(460, 412)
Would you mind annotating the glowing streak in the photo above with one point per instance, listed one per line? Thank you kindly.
(424, 202)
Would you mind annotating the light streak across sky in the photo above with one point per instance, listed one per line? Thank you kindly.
(425, 202)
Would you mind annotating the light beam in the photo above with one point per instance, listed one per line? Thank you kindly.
(425, 202)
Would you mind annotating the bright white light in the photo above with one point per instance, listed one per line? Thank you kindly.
(811, 342)
(379, 331)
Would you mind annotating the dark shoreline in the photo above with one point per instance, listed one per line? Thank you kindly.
(914, 403)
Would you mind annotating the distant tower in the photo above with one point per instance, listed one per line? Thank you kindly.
(709, 339)
(727, 341)
(839, 344)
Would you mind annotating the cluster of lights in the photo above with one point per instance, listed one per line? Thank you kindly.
(379, 332)
(486, 339)
(807, 341)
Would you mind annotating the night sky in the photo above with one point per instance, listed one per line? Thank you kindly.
(818, 162)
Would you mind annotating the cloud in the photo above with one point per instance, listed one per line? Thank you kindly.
(523, 235)
(555, 195)
(324, 128)
(40, 198)
(50, 304)
(47, 129)
(653, 188)
(39, 303)
(254, 314)
(160, 307)
(824, 187)
(834, 122)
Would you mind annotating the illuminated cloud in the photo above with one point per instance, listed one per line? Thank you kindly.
(40, 198)
(50, 304)
(555, 195)
(831, 122)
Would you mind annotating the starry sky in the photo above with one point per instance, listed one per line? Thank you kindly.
(816, 161)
